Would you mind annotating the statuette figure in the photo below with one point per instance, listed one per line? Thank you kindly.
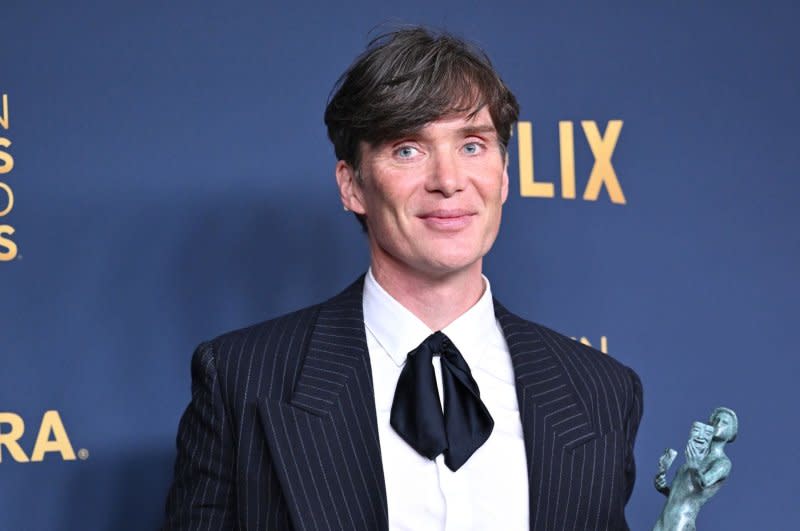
(702, 475)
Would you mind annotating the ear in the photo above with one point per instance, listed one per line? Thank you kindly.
(504, 184)
(350, 190)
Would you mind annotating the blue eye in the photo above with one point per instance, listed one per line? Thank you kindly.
(472, 148)
(406, 152)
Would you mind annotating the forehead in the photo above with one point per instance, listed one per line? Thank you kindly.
(479, 121)
(450, 127)
(697, 427)
(458, 124)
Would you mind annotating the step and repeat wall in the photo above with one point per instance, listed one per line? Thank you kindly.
(165, 177)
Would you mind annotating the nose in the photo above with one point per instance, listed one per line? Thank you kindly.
(445, 176)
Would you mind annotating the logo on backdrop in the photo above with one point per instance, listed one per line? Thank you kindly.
(602, 347)
(8, 249)
(602, 175)
(51, 439)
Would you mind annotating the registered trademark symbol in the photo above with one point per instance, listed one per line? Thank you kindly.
(83, 454)
(19, 257)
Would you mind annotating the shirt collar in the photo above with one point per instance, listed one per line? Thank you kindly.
(399, 331)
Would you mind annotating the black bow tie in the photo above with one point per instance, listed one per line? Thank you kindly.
(417, 413)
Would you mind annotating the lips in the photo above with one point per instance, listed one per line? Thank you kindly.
(447, 219)
(448, 213)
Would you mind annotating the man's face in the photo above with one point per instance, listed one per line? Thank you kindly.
(700, 436)
(433, 199)
(723, 426)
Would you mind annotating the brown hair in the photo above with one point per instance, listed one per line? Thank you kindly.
(408, 78)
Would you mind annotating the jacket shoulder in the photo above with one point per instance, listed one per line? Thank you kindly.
(264, 359)
(226, 343)
(261, 359)
(587, 354)
(611, 391)
(561, 345)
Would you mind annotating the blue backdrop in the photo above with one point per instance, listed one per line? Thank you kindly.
(164, 154)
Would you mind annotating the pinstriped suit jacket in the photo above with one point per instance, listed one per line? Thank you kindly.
(281, 431)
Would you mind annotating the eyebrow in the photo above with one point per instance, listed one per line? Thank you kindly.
(481, 129)
(471, 130)
(467, 130)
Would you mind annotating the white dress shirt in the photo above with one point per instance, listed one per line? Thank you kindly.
(490, 491)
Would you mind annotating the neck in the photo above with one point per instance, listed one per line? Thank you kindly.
(436, 301)
(716, 446)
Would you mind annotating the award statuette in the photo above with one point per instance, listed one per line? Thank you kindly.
(702, 475)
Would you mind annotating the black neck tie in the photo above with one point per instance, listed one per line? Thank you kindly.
(417, 413)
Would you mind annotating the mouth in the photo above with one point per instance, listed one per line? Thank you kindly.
(447, 219)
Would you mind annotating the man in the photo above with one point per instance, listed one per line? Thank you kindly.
(706, 468)
(331, 417)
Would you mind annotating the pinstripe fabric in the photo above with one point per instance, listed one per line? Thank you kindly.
(580, 410)
(281, 432)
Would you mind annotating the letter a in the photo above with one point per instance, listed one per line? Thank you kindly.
(51, 423)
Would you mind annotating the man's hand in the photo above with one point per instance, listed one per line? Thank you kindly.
(666, 459)
(694, 456)
(664, 462)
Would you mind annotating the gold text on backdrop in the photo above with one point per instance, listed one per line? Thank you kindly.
(8, 249)
(602, 173)
(603, 343)
(52, 437)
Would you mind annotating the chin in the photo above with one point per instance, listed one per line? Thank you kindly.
(452, 262)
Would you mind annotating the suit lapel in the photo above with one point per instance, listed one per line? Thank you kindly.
(325, 439)
(553, 414)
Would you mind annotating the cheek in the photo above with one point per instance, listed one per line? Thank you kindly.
(391, 198)
(387, 210)
(494, 185)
